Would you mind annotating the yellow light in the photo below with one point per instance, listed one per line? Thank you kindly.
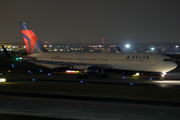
(2, 79)
(137, 74)
(77, 71)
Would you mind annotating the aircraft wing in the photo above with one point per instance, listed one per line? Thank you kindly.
(7, 53)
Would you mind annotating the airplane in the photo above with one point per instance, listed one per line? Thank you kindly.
(93, 64)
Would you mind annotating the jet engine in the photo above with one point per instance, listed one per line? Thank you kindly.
(94, 71)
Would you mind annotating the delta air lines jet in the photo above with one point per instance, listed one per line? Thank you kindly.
(93, 64)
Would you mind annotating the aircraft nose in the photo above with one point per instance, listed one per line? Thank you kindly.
(172, 65)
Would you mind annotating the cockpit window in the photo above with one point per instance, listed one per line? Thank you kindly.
(167, 60)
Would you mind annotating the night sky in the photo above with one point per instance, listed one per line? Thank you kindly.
(87, 21)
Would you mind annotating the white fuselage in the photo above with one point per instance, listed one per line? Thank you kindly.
(122, 61)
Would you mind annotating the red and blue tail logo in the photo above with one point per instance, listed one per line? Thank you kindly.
(31, 41)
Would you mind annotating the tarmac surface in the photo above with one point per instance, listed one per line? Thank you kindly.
(66, 109)
(29, 93)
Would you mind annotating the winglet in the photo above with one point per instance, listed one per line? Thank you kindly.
(119, 50)
(7, 53)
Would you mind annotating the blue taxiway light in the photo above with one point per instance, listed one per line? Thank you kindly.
(33, 79)
(81, 81)
(123, 77)
(131, 83)
(150, 78)
(40, 70)
(29, 71)
(12, 65)
(49, 73)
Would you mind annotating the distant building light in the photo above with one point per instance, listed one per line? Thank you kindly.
(46, 41)
(50, 45)
(177, 46)
(68, 50)
(61, 49)
(152, 48)
(45, 45)
(14, 46)
(55, 49)
(24, 46)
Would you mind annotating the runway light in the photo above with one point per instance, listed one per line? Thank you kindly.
(71, 71)
(77, 71)
(2, 79)
(49, 73)
(150, 78)
(33, 79)
(131, 83)
(137, 74)
(12, 65)
(81, 81)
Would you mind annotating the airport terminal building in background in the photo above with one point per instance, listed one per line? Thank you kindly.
(163, 48)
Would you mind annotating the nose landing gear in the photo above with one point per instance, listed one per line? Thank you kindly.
(162, 75)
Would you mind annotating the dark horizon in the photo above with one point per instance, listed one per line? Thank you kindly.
(79, 21)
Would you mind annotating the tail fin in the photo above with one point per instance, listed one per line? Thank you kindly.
(33, 45)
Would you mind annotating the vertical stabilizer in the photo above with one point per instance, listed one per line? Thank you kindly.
(33, 45)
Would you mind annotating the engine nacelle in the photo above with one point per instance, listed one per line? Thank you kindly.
(94, 71)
